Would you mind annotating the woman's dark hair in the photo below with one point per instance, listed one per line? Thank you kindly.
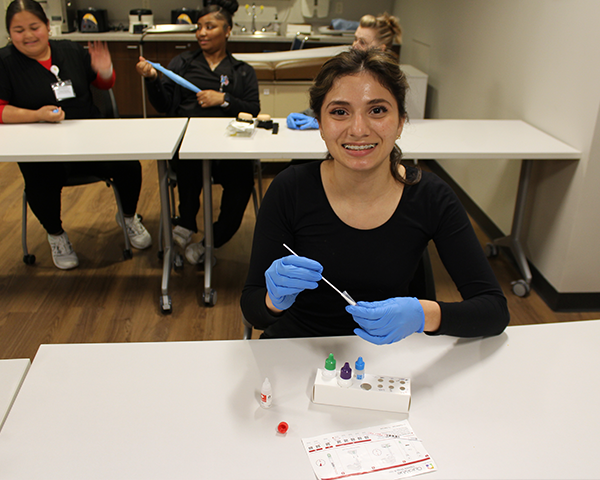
(223, 10)
(30, 6)
(384, 67)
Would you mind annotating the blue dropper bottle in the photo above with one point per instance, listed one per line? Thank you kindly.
(359, 369)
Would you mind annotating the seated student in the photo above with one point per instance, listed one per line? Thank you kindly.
(228, 87)
(377, 32)
(372, 32)
(30, 68)
(363, 220)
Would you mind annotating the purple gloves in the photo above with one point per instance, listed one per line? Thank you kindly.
(388, 321)
(288, 276)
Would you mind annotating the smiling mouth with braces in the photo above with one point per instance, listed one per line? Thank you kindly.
(359, 147)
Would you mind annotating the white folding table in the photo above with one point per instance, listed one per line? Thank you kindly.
(522, 405)
(12, 374)
(207, 139)
(101, 140)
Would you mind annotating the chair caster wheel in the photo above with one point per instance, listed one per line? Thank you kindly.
(491, 250)
(521, 288)
(210, 299)
(178, 262)
(165, 304)
(29, 259)
(127, 254)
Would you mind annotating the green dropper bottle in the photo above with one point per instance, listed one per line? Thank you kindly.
(329, 371)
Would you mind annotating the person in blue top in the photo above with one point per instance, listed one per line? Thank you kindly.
(30, 69)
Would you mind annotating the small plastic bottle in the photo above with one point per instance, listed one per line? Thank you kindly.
(345, 378)
(329, 371)
(266, 394)
(359, 369)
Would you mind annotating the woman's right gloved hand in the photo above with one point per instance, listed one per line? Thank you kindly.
(288, 276)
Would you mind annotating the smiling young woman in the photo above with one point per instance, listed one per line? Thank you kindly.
(365, 220)
(228, 87)
(43, 80)
(30, 35)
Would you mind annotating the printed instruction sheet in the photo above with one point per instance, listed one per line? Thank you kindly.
(386, 452)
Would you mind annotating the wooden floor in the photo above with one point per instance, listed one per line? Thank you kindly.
(108, 299)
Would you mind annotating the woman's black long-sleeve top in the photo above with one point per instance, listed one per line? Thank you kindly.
(370, 265)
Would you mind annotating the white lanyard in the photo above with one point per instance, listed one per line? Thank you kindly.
(62, 89)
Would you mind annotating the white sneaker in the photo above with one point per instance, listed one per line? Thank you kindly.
(182, 236)
(62, 252)
(137, 233)
(195, 254)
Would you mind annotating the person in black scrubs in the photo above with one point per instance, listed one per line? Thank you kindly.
(43, 80)
(228, 87)
(362, 220)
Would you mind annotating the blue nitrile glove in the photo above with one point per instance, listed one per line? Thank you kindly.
(288, 276)
(388, 321)
(299, 121)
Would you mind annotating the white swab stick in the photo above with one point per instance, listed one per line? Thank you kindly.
(344, 294)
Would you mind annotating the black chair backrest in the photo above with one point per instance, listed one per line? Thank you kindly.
(105, 101)
(298, 42)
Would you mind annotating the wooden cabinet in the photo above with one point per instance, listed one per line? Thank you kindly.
(128, 84)
(130, 92)
(163, 53)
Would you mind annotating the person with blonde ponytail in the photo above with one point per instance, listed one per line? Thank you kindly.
(377, 32)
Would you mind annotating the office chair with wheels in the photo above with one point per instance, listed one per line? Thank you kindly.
(257, 195)
(421, 286)
(105, 101)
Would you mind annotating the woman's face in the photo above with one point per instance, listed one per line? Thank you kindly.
(212, 33)
(29, 35)
(360, 122)
(365, 38)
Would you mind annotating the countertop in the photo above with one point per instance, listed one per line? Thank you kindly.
(190, 37)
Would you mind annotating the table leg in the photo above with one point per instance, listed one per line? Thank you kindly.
(513, 241)
(209, 295)
(165, 218)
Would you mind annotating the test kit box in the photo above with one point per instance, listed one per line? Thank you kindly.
(374, 392)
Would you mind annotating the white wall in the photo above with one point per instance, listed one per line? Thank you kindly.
(536, 60)
(3, 32)
(290, 10)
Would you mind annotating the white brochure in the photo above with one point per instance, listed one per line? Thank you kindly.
(386, 452)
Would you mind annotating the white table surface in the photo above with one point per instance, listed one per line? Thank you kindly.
(207, 139)
(101, 140)
(421, 139)
(12, 374)
(87, 140)
(522, 405)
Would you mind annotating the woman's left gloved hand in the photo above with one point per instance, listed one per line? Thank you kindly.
(388, 321)
(300, 121)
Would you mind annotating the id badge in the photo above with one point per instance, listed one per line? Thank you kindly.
(63, 90)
